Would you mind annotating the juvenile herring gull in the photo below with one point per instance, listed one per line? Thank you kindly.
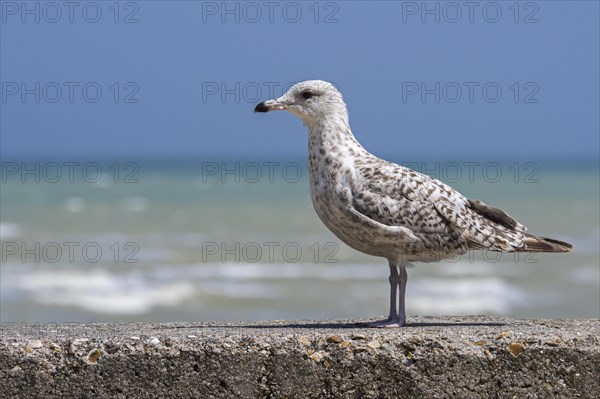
(384, 209)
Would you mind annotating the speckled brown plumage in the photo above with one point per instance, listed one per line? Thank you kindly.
(387, 210)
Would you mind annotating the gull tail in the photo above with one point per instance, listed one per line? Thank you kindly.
(543, 244)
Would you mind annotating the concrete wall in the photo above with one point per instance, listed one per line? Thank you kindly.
(462, 357)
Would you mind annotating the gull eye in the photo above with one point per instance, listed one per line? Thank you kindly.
(306, 95)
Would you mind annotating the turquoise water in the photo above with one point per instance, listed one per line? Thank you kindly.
(168, 241)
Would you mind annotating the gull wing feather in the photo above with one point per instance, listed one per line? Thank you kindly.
(397, 196)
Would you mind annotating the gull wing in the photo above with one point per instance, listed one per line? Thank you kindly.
(397, 196)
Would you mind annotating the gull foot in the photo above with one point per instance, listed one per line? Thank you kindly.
(387, 323)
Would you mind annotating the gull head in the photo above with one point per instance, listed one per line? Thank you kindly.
(313, 101)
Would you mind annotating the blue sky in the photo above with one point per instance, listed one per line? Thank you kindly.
(179, 79)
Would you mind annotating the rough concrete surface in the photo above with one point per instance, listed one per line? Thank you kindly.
(432, 357)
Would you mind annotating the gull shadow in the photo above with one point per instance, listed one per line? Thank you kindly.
(314, 325)
(456, 324)
(308, 325)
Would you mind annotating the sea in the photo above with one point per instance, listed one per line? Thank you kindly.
(165, 240)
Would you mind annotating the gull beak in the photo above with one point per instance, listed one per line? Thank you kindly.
(270, 105)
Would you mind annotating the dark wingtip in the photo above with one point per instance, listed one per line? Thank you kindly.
(261, 108)
(543, 244)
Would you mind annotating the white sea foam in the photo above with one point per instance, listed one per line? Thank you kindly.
(9, 230)
(103, 292)
(142, 288)
(464, 296)
(122, 300)
(285, 271)
(243, 290)
(477, 269)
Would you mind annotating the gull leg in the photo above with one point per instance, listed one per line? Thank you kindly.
(395, 282)
(402, 280)
(393, 279)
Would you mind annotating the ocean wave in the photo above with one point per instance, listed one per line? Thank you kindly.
(476, 268)
(464, 296)
(141, 289)
(101, 291)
